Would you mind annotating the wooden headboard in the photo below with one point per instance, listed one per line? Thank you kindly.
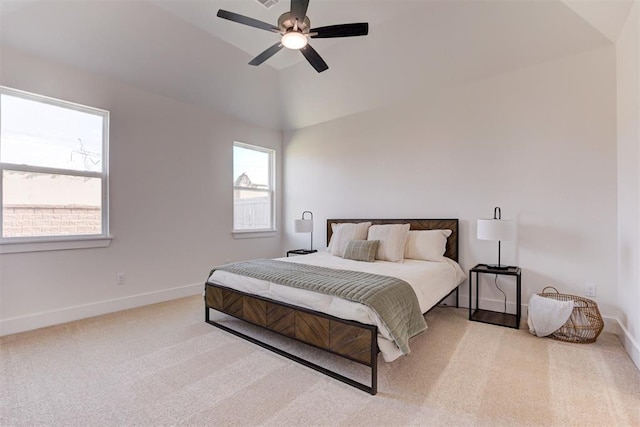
(416, 224)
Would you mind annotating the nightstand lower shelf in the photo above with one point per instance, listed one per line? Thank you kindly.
(495, 318)
(490, 316)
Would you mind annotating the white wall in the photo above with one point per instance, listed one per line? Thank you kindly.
(539, 142)
(171, 203)
(628, 79)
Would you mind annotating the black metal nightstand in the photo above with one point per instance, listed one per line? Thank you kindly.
(301, 252)
(494, 317)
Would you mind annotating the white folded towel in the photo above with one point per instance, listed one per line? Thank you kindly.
(546, 315)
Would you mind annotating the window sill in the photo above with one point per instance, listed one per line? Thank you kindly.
(60, 244)
(252, 234)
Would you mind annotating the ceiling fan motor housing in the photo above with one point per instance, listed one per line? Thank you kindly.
(286, 23)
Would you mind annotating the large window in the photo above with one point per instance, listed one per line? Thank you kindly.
(253, 188)
(53, 169)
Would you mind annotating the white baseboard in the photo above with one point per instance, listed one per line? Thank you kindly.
(631, 345)
(69, 314)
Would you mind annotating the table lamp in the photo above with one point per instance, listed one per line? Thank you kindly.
(498, 229)
(304, 225)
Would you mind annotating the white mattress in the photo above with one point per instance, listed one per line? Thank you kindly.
(431, 282)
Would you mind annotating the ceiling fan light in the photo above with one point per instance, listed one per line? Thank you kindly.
(294, 40)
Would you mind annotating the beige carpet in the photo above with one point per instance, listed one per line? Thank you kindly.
(162, 365)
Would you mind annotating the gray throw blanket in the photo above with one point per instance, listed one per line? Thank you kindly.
(392, 299)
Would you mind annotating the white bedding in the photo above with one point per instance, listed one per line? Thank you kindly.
(430, 280)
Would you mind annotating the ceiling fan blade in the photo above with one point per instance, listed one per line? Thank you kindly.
(341, 30)
(314, 59)
(266, 54)
(241, 19)
(299, 9)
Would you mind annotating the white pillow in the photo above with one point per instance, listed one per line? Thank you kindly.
(392, 240)
(343, 233)
(428, 245)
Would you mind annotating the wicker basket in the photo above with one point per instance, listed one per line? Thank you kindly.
(584, 324)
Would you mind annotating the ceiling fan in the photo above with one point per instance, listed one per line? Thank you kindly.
(295, 28)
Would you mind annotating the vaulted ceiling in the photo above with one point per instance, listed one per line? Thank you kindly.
(179, 48)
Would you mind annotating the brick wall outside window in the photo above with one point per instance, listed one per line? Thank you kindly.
(24, 220)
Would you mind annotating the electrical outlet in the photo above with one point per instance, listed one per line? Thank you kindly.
(590, 290)
(121, 278)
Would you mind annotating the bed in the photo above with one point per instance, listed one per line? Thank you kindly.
(349, 328)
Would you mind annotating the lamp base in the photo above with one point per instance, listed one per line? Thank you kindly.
(302, 251)
(497, 267)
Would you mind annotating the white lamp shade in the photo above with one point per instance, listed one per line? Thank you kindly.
(496, 229)
(303, 225)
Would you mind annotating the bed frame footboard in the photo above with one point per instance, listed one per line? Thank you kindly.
(348, 339)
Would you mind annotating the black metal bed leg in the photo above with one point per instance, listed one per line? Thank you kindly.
(374, 363)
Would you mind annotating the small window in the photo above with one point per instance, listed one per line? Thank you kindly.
(53, 169)
(253, 188)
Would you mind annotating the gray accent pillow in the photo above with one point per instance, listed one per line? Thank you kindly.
(361, 250)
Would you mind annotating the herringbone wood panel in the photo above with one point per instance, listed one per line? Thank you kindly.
(233, 303)
(333, 335)
(254, 310)
(350, 341)
(312, 329)
(281, 319)
(215, 297)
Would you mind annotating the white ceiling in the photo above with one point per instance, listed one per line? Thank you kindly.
(179, 48)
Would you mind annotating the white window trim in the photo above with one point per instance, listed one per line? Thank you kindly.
(268, 232)
(52, 244)
(80, 241)
(253, 234)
